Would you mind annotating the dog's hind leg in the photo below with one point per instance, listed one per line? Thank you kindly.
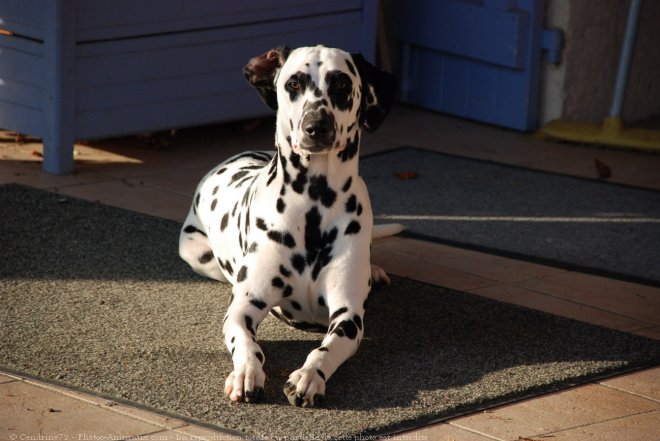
(195, 248)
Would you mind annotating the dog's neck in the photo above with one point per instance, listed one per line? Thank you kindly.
(336, 166)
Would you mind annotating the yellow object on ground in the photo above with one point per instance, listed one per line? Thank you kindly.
(611, 132)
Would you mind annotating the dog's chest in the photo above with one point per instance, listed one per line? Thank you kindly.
(282, 233)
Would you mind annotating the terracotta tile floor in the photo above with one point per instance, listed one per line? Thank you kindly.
(160, 182)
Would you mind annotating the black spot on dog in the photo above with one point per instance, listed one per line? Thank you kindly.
(350, 66)
(193, 229)
(272, 172)
(323, 349)
(359, 209)
(347, 184)
(321, 374)
(226, 266)
(261, 224)
(248, 325)
(299, 183)
(295, 161)
(215, 190)
(197, 200)
(352, 147)
(298, 262)
(224, 221)
(242, 274)
(221, 171)
(285, 239)
(260, 357)
(318, 244)
(237, 176)
(277, 282)
(351, 204)
(340, 87)
(206, 257)
(253, 248)
(322, 302)
(287, 291)
(347, 328)
(296, 305)
(280, 205)
(337, 313)
(352, 228)
(213, 204)
(258, 303)
(319, 189)
(284, 271)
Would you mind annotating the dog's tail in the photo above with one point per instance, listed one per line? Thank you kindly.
(385, 230)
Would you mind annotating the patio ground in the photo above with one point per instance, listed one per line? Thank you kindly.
(160, 180)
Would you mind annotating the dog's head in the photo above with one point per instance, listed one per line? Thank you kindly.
(323, 95)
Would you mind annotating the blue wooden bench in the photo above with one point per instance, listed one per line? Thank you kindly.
(83, 69)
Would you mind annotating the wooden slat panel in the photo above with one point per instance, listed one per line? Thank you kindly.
(21, 118)
(24, 17)
(172, 114)
(21, 60)
(20, 93)
(466, 29)
(171, 56)
(128, 18)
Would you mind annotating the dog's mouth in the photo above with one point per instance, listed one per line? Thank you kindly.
(313, 149)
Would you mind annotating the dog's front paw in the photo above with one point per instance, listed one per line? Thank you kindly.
(305, 387)
(246, 383)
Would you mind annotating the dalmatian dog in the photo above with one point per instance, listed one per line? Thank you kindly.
(291, 230)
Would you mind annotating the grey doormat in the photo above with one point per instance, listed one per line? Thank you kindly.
(96, 298)
(574, 223)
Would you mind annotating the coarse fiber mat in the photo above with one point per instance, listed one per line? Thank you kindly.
(574, 223)
(96, 298)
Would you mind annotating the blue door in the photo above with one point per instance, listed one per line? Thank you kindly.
(478, 59)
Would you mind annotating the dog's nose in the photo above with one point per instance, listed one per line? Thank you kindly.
(316, 128)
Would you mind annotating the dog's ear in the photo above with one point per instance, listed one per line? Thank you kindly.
(262, 70)
(378, 89)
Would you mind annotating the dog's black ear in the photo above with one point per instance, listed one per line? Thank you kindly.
(262, 70)
(378, 89)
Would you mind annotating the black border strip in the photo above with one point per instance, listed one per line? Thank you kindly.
(522, 256)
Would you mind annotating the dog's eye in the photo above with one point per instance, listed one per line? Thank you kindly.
(341, 85)
(295, 85)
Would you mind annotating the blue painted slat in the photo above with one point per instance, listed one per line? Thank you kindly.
(21, 118)
(134, 18)
(172, 56)
(21, 93)
(181, 113)
(24, 17)
(21, 60)
(466, 29)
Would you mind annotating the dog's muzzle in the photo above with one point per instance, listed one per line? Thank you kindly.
(318, 129)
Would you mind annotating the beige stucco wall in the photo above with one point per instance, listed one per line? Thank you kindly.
(581, 88)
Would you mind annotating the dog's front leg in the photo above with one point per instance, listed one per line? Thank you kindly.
(306, 386)
(246, 381)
